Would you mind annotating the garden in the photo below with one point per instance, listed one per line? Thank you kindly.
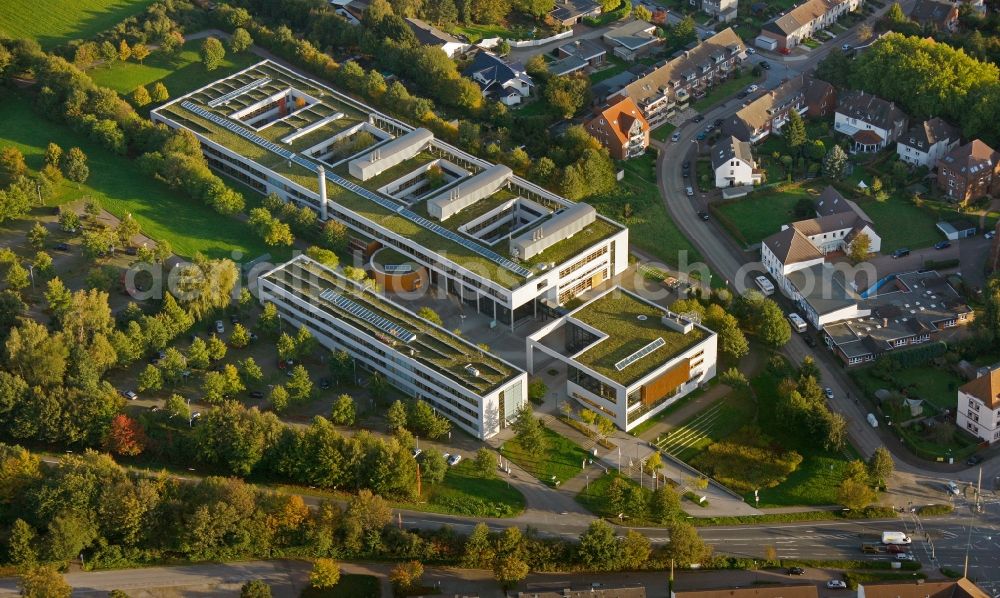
(561, 459)
(762, 213)
(55, 22)
(466, 491)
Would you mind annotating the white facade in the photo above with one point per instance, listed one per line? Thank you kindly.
(836, 239)
(924, 157)
(979, 406)
(849, 126)
(482, 415)
(736, 172)
(717, 7)
(780, 270)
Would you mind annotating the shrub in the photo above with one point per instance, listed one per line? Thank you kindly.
(747, 460)
(929, 510)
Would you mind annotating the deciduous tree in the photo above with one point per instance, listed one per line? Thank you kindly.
(240, 40)
(126, 436)
(325, 573)
(212, 53)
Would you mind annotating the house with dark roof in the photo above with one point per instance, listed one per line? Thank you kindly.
(621, 128)
(666, 87)
(871, 122)
(578, 55)
(733, 163)
(632, 40)
(979, 406)
(936, 14)
(919, 588)
(768, 113)
(969, 172)
(927, 142)
(429, 35)
(788, 30)
(505, 82)
(723, 10)
(769, 591)
(571, 12)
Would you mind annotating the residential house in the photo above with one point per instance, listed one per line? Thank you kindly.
(578, 55)
(969, 172)
(723, 10)
(664, 89)
(789, 29)
(571, 12)
(906, 310)
(936, 14)
(632, 40)
(871, 122)
(768, 113)
(589, 591)
(621, 128)
(761, 591)
(506, 82)
(920, 588)
(926, 143)
(430, 35)
(979, 406)
(733, 163)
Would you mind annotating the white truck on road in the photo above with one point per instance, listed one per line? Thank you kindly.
(895, 538)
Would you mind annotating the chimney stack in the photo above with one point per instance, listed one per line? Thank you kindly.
(322, 192)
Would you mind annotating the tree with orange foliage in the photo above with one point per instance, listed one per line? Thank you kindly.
(126, 436)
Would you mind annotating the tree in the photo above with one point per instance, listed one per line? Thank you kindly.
(325, 574)
(605, 427)
(835, 163)
(255, 588)
(159, 93)
(12, 166)
(150, 378)
(212, 53)
(858, 250)
(343, 412)
(509, 565)
(323, 256)
(396, 416)
(794, 132)
(685, 32)
(108, 53)
(486, 463)
(74, 165)
(176, 406)
(37, 235)
(197, 356)
(642, 13)
(599, 548)
(430, 315)
(855, 494)
(44, 582)
(686, 546)
(53, 153)
(432, 466)
(770, 324)
(126, 436)
(567, 93)
(140, 96)
(21, 550)
(896, 13)
(305, 343)
(335, 235)
(653, 463)
(278, 398)
(406, 576)
(240, 336)
(250, 371)
(865, 32)
(665, 503)
(240, 40)
(140, 52)
(529, 432)
(880, 465)
(216, 348)
(17, 277)
(299, 386)
(478, 551)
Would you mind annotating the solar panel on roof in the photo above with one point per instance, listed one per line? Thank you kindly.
(236, 92)
(363, 313)
(624, 363)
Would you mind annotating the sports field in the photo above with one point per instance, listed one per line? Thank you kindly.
(54, 22)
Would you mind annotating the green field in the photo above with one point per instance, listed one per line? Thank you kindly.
(901, 224)
(650, 227)
(563, 459)
(181, 74)
(464, 492)
(663, 132)
(120, 187)
(54, 22)
(594, 497)
(711, 425)
(762, 213)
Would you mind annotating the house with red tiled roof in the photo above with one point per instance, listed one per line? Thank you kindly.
(621, 128)
(979, 406)
(969, 172)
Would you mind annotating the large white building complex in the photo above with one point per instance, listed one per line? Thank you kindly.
(504, 246)
(477, 391)
(626, 358)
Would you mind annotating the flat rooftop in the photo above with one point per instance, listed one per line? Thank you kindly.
(286, 122)
(411, 335)
(631, 325)
(824, 287)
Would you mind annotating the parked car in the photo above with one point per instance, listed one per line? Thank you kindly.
(901, 252)
(741, 95)
(130, 250)
(942, 245)
(717, 123)
(765, 65)
(454, 460)
(796, 571)
(974, 460)
(62, 246)
(896, 549)
(324, 383)
(952, 488)
(675, 137)
(686, 164)
(256, 394)
(703, 215)
(130, 395)
(905, 556)
(828, 392)
(689, 191)
(752, 88)
(234, 319)
(809, 340)
(836, 584)
(219, 327)
(699, 118)
(846, 47)
(701, 136)
(990, 235)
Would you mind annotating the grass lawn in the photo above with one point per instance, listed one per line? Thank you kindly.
(662, 132)
(815, 483)
(477, 32)
(762, 213)
(614, 66)
(562, 459)
(652, 229)
(54, 22)
(464, 492)
(181, 74)
(119, 186)
(703, 170)
(901, 224)
(723, 418)
(594, 497)
(723, 91)
(349, 586)
(934, 385)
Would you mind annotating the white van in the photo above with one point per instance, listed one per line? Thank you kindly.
(764, 285)
(873, 420)
(798, 324)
